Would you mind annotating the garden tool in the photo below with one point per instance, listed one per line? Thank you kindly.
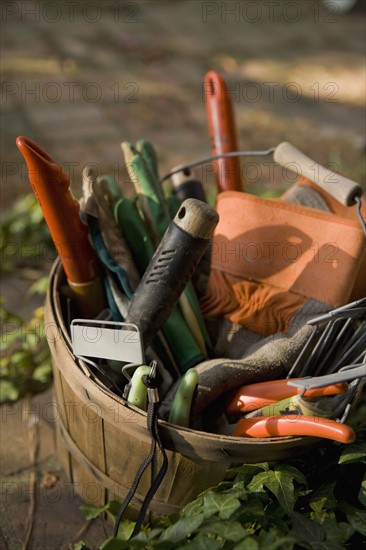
(137, 394)
(100, 206)
(285, 425)
(324, 407)
(182, 341)
(150, 199)
(51, 186)
(106, 258)
(171, 267)
(345, 374)
(148, 152)
(276, 398)
(338, 337)
(156, 213)
(222, 132)
(303, 414)
(89, 174)
(181, 407)
(256, 396)
(133, 228)
(186, 185)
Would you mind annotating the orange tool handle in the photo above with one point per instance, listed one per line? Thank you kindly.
(51, 186)
(222, 132)
(255, 396)
(279, 426)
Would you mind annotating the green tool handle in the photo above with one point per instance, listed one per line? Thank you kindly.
(172, 266)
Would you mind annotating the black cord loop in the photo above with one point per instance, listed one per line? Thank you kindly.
(152, 425)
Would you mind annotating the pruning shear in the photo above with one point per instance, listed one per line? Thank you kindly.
(277, 409)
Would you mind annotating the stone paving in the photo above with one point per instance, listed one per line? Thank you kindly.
(80, 77)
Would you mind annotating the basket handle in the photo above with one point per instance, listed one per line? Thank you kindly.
(343, 189)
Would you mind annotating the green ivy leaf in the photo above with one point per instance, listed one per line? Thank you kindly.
(324, 497)
(251, 512)
(307, 531)
(193, 508)
(226, 529)
(356, 452)
(355, 516)
(275, 540)
(181, 529)
(219, 503)
(337, 533)
(248, 544)
(280, 482)
(202, 542)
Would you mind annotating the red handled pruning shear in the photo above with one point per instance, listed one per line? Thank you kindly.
(257, 396)
(278, 426)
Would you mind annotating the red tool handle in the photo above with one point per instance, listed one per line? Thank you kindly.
(255, 396)
(51, 186)
(222, 132)
(279, 426)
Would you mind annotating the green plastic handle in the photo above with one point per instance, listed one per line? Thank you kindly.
(137, 395)
(182, 402)
(153, 194)
(147, 150)
(133, 228)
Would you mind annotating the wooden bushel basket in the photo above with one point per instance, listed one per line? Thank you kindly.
(101, 440)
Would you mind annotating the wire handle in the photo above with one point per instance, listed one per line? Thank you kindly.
(341, 188)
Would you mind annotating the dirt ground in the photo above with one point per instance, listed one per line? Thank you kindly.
(79, 80)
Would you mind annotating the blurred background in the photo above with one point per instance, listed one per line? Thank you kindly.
(80, 77)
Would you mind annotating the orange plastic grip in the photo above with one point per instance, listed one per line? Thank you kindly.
(255, 396)
(60, 208)
(279, 426)
(222, 132)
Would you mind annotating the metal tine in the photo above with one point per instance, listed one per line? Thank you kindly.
(325, 346)
(347, 356)
(345, 405)
(327, 343)
(103, 372)
(335, 345)
(359, 306)
(361, 357)
(355, 387)
(309, 361)
(358, 347)
(309, 341)
(316, 351)
(349, 372)
(358, 333)
(361, 330)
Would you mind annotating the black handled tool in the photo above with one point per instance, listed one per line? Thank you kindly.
(172, 266)
(187, 186)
